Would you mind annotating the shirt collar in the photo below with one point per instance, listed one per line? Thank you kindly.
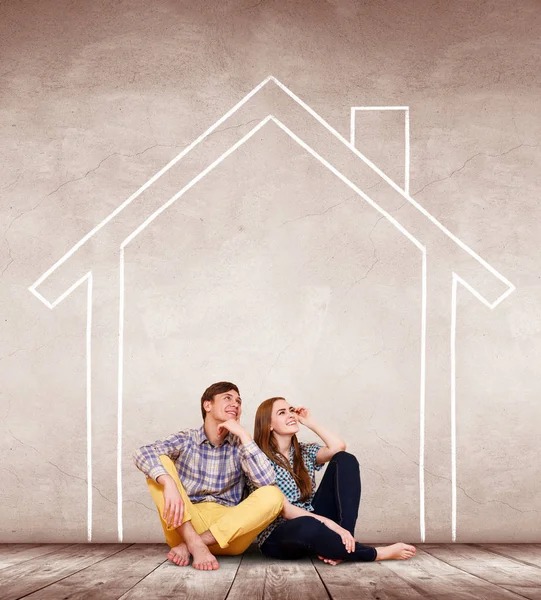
(201, 437)
(291, 454)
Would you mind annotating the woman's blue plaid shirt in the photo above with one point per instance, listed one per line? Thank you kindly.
(208, 473)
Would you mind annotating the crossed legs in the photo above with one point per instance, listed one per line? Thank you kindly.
(210, 529)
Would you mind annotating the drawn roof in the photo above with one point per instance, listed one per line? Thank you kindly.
(270, 101)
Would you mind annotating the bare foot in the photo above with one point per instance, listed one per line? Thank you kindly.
(330, 561)
(203, 559)
(180, 555)
(398, 551)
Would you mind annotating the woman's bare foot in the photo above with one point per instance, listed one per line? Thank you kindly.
(330, 561)
(398, 551)
(180, 555)
(203, 559)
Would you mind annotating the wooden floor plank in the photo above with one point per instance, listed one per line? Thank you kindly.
(437, 579)
(261, 578)
(12, 554)
(529, 554)
(499, 570)
(369, 581)
(6, 549)
(141, 571)
(29, 576)
(109, 578)
(170, 581)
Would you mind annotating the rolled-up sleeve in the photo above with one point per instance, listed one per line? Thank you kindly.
(310, 453)
(256, 466)
(147, 458)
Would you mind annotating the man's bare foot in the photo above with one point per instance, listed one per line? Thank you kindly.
(330, 561)
(180, 555)
(203, 559)
(397, 551)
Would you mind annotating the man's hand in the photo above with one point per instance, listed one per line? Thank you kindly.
(235, 428)
(347, 539)
(173, 511)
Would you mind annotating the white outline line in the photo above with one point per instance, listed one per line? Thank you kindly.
(422, 392)
(406, 110)
(422, 401)
(399, 190)
(380, 107)
(123, 245)
(453, 407)
(350, 184)
(139, 192)
(88, 350)
(89, 404)
(348, 144)
(407, 153)
(329, 128)
(200, 176)
(120, 397)
(352, 126)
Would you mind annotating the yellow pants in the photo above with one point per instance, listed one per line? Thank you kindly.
(233, 527)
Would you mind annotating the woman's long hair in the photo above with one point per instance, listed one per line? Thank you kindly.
(265, 440)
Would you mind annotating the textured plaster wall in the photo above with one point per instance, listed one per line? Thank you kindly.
(270, 271)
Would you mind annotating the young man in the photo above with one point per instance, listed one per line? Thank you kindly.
(197, 477)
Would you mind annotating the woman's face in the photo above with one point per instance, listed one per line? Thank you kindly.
(284, 419)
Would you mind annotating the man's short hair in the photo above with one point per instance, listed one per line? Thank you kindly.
(216, 388)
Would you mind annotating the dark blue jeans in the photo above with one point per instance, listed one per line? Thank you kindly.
(337, 498)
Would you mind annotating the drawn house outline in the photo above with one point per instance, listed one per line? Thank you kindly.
(285, 108)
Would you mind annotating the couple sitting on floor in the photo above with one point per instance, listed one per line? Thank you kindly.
(197, 478)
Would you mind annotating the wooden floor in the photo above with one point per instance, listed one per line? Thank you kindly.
(141, 571)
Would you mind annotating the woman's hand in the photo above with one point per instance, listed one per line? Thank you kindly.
(347, 539)
(304, 416)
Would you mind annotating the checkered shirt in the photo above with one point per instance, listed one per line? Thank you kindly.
(288, 486)
(208, 473)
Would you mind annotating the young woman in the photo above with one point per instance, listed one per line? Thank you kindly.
(318, 523)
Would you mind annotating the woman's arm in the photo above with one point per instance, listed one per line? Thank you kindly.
(290, 511)
(333, 443)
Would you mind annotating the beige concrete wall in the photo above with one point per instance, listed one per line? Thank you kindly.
(273, 270)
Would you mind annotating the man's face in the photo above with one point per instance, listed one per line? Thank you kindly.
(225, 406)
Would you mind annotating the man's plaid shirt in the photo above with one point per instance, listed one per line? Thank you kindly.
(208, 473)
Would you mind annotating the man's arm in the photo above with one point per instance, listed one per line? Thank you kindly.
(256, 465)
(253, 461)
(147, 458)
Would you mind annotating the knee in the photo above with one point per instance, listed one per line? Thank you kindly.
(309, 527)
(167, 462)
(271, 497)
(345, 458)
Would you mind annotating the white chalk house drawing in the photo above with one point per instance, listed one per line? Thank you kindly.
(271, 101)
